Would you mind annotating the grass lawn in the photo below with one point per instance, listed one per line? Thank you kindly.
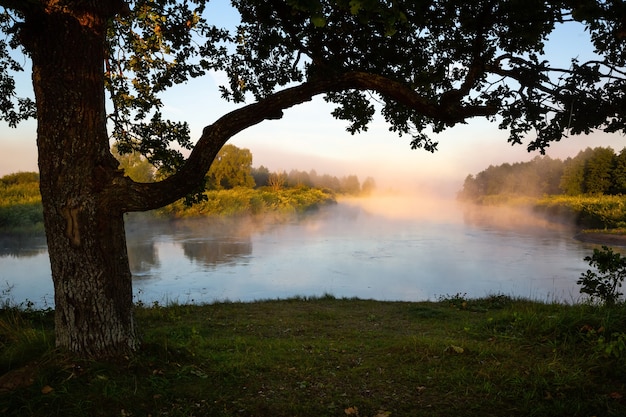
(495, 356)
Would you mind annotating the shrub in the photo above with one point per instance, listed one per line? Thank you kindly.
(612, 269)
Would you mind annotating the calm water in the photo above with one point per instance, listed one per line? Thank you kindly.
(386, 249)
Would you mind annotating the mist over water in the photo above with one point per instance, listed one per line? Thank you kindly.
(390, 247)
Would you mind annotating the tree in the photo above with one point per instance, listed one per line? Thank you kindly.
(350, 185)
(550, 172)
(261, 176)
(598, 171)
(619, 173)
(277, 180)
(231, 168)
(299, 179)
(428, 65)
(368, 186)
(573, 179)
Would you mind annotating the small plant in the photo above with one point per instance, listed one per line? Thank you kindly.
(458, 300)
(614, 346)
(612, 269)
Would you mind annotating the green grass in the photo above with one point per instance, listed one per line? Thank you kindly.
(495, 356)
(591, 212)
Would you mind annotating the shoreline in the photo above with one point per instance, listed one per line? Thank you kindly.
(601, 238)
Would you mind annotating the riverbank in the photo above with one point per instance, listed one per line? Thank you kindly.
(610, 238)
(331, 357)
(23, 215)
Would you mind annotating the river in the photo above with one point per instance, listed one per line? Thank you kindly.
(390, 248)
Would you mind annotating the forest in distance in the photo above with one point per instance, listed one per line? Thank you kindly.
(588, 189)
(597, 171)
(233, 187)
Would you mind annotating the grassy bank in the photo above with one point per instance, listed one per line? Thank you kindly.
(332, 357)
(21, 210)
(249, 201)
(590, 212)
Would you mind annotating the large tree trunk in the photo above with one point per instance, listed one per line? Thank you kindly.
(84, 224)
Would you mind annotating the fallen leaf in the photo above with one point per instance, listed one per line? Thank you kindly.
(351, 411)
(616, 395)
(454, 349)
(47, 389)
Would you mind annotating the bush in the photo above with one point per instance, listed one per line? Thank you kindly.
(612, 267)
(20, 178)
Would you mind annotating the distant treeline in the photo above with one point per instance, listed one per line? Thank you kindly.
(234, 187)
(598, 171)
(232, 168)
(349, 184)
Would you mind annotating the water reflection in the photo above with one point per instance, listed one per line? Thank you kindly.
(22, 246)
(207, 242)
(511, 219)
(141, 242)
(396, 250)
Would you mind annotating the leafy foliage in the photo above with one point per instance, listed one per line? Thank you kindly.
(13, 109)
(604, 286)
(458, 57)
(247, 201)
(20, 178)
(460, 60)
(598, 171)
(231, 168)
(151, 48)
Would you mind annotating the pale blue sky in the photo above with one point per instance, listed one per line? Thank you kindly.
(309, 138)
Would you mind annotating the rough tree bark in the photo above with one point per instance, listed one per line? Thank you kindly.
(84, 224)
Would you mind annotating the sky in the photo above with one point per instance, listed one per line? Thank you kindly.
(308, 137)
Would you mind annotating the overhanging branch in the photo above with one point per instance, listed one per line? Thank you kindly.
(150, 196)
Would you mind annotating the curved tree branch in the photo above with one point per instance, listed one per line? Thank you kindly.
(149, 196)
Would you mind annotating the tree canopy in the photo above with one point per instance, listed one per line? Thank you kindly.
(100, 70)
(442, 62)
(231, 168)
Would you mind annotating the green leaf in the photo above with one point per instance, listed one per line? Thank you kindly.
(318, 21)
(355, 6)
